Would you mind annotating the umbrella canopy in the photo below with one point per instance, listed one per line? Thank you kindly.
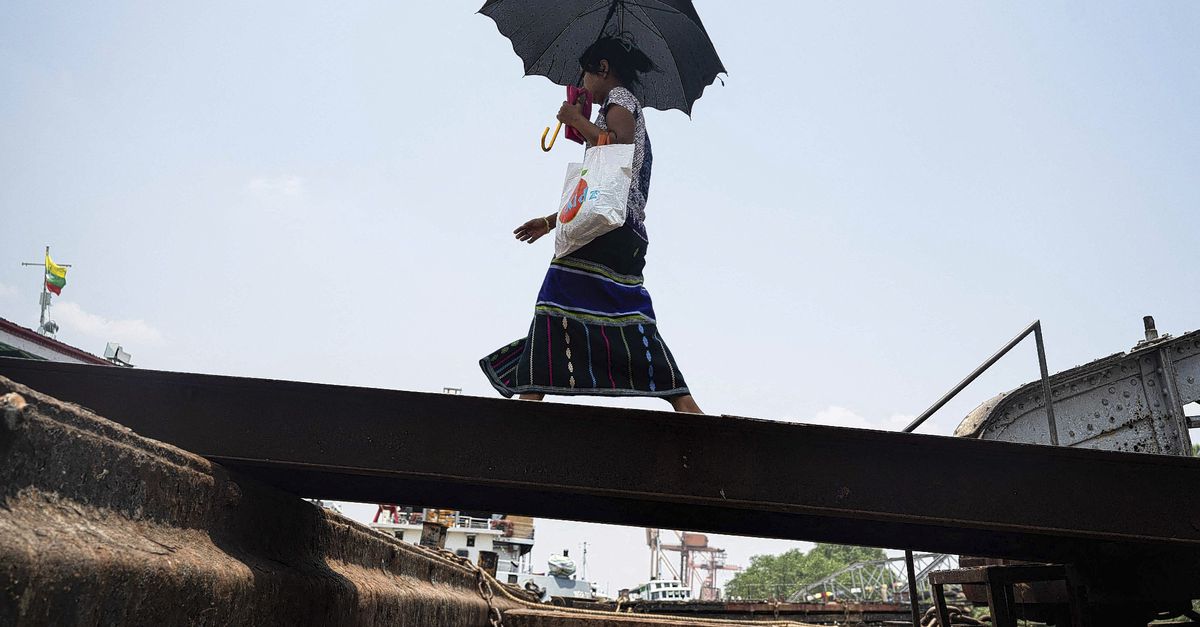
(549, 36)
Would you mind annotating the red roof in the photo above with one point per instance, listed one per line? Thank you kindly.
(51, 344)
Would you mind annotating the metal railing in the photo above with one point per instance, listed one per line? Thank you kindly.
(468, 522)
(1036, 329)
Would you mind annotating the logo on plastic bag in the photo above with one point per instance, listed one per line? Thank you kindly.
(594, 197)
(576, 201)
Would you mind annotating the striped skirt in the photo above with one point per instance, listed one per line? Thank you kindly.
(593, 330)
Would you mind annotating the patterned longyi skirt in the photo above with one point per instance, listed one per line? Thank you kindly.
(593, 330)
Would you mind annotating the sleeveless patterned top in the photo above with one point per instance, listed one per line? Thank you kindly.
(639, 189)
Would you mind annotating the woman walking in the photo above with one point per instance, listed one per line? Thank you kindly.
(594, 331)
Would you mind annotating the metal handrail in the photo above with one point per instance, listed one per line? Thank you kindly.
(1036, 329)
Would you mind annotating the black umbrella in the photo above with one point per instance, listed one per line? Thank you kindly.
(549, 36)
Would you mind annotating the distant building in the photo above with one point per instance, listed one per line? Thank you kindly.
(18, 341)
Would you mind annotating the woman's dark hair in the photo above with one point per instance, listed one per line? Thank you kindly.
(627, 61)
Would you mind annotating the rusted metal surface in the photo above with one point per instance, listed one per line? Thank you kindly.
(489, 561)
(1049, 599)
(99, 526)
(718, 474)
(1126, 402)
(1003, 584)
(1033, 593)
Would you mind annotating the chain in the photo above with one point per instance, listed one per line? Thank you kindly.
(483, 584)
(958, 616)
(485, 591)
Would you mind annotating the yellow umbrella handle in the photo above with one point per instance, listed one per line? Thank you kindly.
(557, 128)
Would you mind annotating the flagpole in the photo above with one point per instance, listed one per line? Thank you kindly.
(45, 297)
(45, 300)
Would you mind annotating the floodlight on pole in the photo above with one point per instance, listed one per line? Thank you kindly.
(114, 353)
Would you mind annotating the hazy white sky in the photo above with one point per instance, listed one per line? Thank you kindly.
(879, 196)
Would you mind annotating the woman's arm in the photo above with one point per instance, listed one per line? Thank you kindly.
(620, 123)
(534, 229)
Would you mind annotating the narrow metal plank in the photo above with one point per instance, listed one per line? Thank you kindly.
(705, 473)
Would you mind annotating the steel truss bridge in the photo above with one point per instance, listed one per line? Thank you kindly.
(883, 580)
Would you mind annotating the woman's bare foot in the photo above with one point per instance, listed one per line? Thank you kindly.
(685, 404)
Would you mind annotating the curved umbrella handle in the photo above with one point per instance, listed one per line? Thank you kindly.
(557, 128)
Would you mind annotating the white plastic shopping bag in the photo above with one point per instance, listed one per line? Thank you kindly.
(594, 196)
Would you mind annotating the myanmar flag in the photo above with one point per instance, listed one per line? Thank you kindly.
(56, 276)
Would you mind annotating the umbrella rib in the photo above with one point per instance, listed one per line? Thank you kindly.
(651, 25)
(646, 6)
(570, 23)
(674, 60)
(586, 13)
(673, 10)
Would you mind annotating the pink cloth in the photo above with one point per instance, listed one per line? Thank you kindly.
(572, 93)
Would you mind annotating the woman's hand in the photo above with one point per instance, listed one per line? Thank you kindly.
(532, 230)
(571, 114)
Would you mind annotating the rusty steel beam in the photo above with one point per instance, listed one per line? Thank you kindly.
(705, 473)
(100, 526)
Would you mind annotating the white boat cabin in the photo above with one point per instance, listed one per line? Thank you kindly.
(662, 590)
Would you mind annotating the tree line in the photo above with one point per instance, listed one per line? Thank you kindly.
(778, 576)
